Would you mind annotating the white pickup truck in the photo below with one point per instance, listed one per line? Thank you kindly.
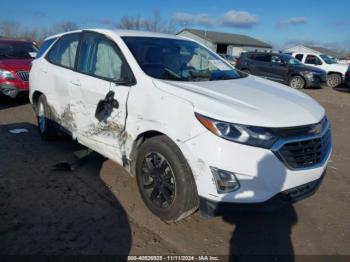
(335, 71)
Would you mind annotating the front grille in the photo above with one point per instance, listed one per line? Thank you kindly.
(306, 153)
(23, 75)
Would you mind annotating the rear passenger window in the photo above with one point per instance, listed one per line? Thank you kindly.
(263, 57)
(299, 57)
(276, 59)
(64, 51)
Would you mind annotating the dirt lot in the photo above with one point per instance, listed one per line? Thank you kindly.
(97, 209)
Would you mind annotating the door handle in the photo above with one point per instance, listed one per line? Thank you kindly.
(44, 70)
(75, 82)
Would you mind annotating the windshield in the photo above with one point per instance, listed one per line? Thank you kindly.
(329, 59)
(17, 50)
(290, 60)
(179, 60)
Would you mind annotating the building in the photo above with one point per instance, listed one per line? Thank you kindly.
(313, 49)
(225, 43)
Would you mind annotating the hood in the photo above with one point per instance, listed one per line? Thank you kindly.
(250, 101)
(16, 64)
(337, 68)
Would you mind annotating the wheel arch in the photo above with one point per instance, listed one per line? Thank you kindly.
(138, 141)
(334, 72)
(35, 98)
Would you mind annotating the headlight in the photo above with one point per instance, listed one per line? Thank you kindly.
(248, 135)
(6, 74)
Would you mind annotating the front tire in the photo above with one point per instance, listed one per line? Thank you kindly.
(297, 82)
(333, 80)
(46, 126)
(165, 180)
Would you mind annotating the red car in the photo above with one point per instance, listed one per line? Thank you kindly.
(15, 63)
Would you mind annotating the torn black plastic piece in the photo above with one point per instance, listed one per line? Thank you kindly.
(105, 107)
(82, 157)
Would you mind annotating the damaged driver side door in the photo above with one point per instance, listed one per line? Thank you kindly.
(99, 95)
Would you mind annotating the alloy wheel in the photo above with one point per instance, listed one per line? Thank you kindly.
(297, 82)
(158, 180)
(333, 80)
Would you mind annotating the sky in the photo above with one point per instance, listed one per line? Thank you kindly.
(278, 22)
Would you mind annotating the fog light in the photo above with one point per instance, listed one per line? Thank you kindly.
(225, 181)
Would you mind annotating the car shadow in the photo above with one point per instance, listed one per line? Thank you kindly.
(7, 102)
(62, 213)
(264, 235)
(342, 88)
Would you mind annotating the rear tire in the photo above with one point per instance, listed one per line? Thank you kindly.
(333, 80)
(297, 82)
(47, 128)
(165, 180)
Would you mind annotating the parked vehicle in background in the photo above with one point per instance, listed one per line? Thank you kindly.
(15, 62)
(281, 68)
(347, 77)
(229, 58)
(335, 71)
(194, 131)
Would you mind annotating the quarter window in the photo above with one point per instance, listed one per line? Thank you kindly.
(64, 51)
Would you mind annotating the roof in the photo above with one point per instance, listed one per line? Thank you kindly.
(121, 33)
(227, 38)
(324, 51)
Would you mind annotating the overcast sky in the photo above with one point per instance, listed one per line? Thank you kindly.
(278, 22)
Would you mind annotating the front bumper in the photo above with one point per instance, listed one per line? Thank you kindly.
(261, 174)
(210, 208)
(12, 89)
(316, 80)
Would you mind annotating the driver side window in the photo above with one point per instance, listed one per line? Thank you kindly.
(312, 60)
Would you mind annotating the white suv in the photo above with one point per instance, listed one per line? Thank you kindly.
(194, 132)
(335, 71)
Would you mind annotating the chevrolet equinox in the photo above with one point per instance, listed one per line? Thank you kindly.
(196, 133)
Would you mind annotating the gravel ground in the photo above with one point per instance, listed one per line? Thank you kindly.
(97, 209)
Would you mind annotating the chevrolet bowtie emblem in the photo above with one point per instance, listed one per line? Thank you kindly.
(316, 129)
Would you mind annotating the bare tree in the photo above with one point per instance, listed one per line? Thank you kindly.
(130, 23)
(64, 26)
(31, 34)
(9, 29)
(155, 23)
